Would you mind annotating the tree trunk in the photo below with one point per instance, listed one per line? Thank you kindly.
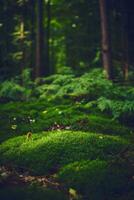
(32, 35)
(106, 49)
(39, 68)
(48, 11)
(125, 53)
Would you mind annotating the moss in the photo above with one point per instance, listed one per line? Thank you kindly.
(46, 153)
(45, 114)
(97, 179)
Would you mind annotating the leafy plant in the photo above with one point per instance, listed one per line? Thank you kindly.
(122, 110)
(18, 88)
(11, 90)
(90, 86)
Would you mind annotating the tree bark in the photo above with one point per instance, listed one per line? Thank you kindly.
(39, 68)
(125, 53)
(32, 35)
(106, 48)
(48, 10)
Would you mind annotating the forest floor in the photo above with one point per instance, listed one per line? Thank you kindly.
(21, 185)
(64, 151)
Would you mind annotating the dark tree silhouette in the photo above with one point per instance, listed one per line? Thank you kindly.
(106, 49)
(39, 68)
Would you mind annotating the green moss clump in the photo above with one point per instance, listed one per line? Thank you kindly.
(45, 114)
(47, 152)
(97, 179)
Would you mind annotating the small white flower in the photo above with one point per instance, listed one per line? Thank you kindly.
(32, 120)
(67, 127)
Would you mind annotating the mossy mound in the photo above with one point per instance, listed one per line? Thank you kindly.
(98, 179)
(47, 152)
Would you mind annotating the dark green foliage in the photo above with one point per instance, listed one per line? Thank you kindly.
(17, 89)
(122, 110)
(109, 98)
(11, 91)
(98, 179)
(49, 151)
(113, 100)
(90, 85)
(40, 116)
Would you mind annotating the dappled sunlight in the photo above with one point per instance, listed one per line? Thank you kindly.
(42, 152)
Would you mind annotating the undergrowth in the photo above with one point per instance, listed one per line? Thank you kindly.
(82, 125)
(107, 97)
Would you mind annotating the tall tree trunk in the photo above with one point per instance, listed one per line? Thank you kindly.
(39, 68)
(48, 11)
(106, 49)
(125, 53)
(32, 36)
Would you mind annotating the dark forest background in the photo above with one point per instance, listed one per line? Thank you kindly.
(47, 36)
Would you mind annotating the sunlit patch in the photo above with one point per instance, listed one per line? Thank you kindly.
(44, 112)
(32, 120)
(14, 127)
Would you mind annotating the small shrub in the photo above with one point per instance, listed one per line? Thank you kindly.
(12, 91)
(26, 78)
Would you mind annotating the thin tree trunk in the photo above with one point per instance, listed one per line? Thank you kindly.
(125, 53)
(32, 35)
(48, 10)
(39, 68)
(125, 57)
(106, 49)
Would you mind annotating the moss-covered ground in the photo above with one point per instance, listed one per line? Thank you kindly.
(89, 153)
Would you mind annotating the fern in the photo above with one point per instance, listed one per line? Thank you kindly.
(116, 108)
